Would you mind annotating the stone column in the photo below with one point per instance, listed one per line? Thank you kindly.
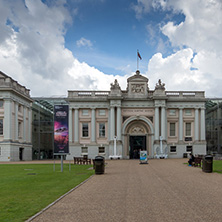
(156, 132)
(119, 123)
(163, 122)
(24, 123)
(76, 126)
(109, 131)
(196, 125)
(181, 124)
(16, 121)
(202, 123)
(70, 125)
(29, 125)
(7, 123)
(93, 125)
(112, 123)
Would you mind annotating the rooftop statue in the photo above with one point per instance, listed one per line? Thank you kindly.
(160, 85)
(115, 85)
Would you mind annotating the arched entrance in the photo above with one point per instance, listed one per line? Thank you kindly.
(136, 143)
(138, 135)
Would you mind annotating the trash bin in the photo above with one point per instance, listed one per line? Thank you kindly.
(99, 165)
(185, 155)
(207, 164)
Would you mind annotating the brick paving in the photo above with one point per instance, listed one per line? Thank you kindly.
(163, 190)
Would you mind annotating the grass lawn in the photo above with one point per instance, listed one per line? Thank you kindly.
(25, 189)
(217, 166)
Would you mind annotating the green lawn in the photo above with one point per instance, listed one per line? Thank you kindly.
(217, 166)
(25, 189)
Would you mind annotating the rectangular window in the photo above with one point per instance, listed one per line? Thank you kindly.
(173, 149)
(19, 108)
(102, 130)
(189, 149)
(101, 149)
(85, 130)
(172, 129)
(188, 129)
(1, 126)
(84, 149)
(19, 129)
(172, 112)
(1, 103)
(85, 112)
(188, 112)
(102, 112)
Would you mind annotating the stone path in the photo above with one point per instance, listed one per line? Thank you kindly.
(163, 190)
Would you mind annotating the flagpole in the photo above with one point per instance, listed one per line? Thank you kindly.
(137, 59)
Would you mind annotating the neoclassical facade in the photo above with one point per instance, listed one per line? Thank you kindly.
(15, 120)
(167, 123)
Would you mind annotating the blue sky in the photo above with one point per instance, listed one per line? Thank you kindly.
(52, 46)
(115, 34)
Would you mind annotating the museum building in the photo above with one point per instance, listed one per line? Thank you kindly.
(123, 122)
(108, 123)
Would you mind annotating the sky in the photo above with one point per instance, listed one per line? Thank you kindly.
(52, 46)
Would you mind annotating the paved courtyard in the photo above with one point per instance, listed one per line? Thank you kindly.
(163, 190)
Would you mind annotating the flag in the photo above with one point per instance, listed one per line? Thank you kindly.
(138, 54)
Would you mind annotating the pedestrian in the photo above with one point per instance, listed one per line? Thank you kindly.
(191, 159)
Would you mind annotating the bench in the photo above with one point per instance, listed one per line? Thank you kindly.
(81, 160)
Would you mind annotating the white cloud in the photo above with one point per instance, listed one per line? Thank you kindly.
(32, 49)
(175, 71)
(84, 42)
(200, 33)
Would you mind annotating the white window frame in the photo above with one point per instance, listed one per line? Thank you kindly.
(101, 150)
(190, 130)
(174, 129)
(1, 126)
(83, 132)
(188, 147)
(19, 129)
(102, 132)
(172, 147)
(1, 103)
(84, 150)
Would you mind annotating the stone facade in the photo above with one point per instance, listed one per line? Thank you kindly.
(15, 120)
(168, 123)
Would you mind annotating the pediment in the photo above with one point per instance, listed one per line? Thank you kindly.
(137, 85)
(137, 78)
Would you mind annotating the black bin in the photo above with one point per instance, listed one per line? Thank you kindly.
(99, 165)
(185, 155)
(207, 164)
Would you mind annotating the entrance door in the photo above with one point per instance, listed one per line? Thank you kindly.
(21, 153)
(137, 143)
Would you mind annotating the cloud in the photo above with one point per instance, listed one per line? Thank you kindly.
(84, 42)
(175, 71)
(32, 49)
(200, 33)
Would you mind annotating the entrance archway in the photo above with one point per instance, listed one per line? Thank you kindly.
(136, 144)
(138, 133)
